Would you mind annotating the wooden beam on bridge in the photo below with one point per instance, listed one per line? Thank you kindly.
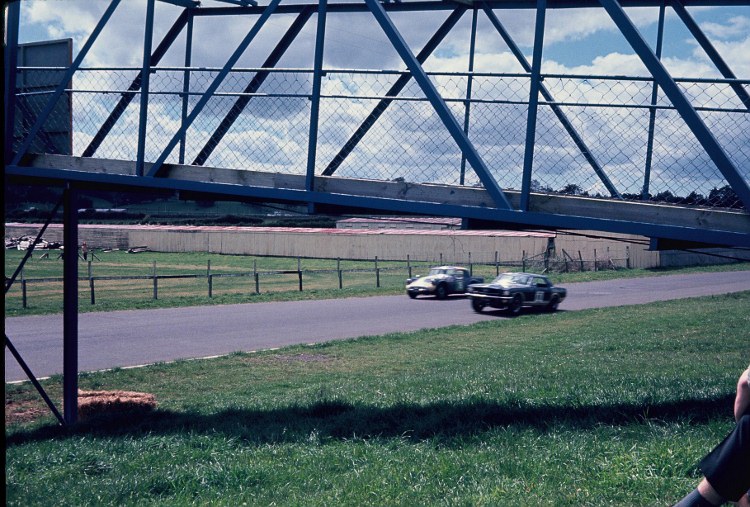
(448, 195)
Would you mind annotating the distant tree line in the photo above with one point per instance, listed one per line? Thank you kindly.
(723, 197)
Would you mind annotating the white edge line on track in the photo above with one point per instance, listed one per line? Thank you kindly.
(135, 366)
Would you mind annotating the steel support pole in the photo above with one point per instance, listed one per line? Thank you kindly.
(315, 105)
(536, 67)
(710, 50)
(688, 113)
(145, 82)
(70, 306)
(32, 378)
(10, 57)
(157, 165)
(394, 90)
(260, 77)
(469, 82)
(569, 128)
(441, 108)
(186, 82)
(52, 102)
(652, 111)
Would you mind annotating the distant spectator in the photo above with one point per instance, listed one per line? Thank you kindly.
(85, 251)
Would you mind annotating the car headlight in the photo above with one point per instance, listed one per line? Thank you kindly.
(506, 293)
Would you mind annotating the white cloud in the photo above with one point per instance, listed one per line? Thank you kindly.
(736, 26)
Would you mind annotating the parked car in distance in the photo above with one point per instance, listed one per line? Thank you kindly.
(514, 291)
(441, 282)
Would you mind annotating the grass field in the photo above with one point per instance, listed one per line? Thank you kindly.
(320, 280)
(597, 407)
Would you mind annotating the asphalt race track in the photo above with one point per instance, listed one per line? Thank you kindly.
(130, 338)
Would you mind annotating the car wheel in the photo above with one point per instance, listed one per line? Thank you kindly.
(553, 304)
(412, 295)
(441, 292)
(515, 306)
(477, 305)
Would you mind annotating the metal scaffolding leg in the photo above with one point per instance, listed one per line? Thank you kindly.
(70, 307)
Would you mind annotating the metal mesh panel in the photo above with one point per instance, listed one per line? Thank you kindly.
(407, 141)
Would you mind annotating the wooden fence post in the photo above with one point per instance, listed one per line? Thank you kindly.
(408, 264)
(377, 273)
(24, 301)
(627, 256)
(156, 283)
(209, 278)
(91, 284)
(595, 268)
(497, 264)
(255, 276)
(523, 261)
(338, 269)
(580, 258)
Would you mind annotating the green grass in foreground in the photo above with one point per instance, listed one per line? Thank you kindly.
(46, 298)
(598, 407)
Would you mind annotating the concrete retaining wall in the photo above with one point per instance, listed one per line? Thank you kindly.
(430, 245)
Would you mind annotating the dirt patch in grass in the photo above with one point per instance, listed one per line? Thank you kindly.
(24, 411)
(291, 358)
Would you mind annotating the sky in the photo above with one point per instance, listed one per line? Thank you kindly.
(577, 41)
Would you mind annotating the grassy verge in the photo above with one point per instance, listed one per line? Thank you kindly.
(598, 407)
(320, 280)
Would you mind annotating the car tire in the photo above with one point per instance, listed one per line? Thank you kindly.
(554, 302)
(478, 305)
(412, 295)
(441, 291)
(515, 306)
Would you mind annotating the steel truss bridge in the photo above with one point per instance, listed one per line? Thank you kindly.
(657, 155)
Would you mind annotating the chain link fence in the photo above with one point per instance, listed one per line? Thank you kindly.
(644, 149)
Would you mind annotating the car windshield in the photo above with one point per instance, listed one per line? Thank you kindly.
(438, 271)
(511, 279)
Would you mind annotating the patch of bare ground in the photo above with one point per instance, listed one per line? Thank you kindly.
(91, 404)
(24, 411)
(291, 358)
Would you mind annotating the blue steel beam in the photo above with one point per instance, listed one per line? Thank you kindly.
(710, 50)
(680, 102)
(469, 83)
(64, 81)
(145, 88)
(30, 375)
(10, 59)
(186, 83)
(526, 219)
(394, 90)
(312, 142)
(440, 5)
(652, 111)
(214, 86)
(441, 108)
(569, 128)
(260, 77)
(70, 305)
(536, 69)
(135, 85)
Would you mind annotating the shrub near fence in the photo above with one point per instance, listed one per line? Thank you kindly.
(128, 278)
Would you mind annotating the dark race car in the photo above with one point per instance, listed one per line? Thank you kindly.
(514, 291)
(441, 281)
